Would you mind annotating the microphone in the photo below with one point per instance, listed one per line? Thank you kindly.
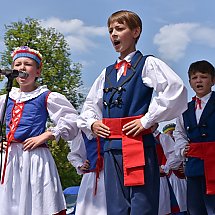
(14, 73)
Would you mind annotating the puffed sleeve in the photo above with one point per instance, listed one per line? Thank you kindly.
(92, 108)
(180, 136)
(170, 99)
(77, 154)
(173, 162)
(63, 115)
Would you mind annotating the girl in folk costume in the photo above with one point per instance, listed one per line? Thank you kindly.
(30, 184)
(86, 157)
(176, 176)
(164, 148)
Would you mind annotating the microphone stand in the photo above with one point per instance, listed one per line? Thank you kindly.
(8, 89)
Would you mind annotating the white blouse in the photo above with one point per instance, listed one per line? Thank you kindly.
(167, 143)
(77, 154)
(61, 112)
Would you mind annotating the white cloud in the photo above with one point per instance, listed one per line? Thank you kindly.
(79, 43)
(205, 36)
(79, 36)
(172, 40)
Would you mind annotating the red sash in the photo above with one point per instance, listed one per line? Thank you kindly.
(132, 150)
(205, 151)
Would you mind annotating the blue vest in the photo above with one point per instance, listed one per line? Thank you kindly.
(92, 151)
(126, 97)
(33, 118)
(202, 132)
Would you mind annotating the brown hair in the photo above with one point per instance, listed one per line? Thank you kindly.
(202, 66)
(124, 16)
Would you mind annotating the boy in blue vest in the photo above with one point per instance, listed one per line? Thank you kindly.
(195, 139)
(120, 108)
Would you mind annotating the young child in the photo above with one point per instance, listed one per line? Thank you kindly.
(84, 157)
(164, 148)
(168, 129)
(195, 139)
(119, 108)
(30, 183)
(176, 176)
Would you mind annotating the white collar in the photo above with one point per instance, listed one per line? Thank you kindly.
(205, 98)
(128, 57)
(19, 96)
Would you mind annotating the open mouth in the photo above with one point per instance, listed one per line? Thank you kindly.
(116, 42)
(199, 86)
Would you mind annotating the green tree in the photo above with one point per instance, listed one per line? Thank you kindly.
(59, 73)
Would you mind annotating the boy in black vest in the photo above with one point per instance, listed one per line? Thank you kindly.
(195, 139)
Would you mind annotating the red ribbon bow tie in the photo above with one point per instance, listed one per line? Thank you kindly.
(126, 65)
(198, 102)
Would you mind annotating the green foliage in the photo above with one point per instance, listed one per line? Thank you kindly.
(58, 73)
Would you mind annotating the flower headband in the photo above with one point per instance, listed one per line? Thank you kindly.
(25, 51)
(168, 127)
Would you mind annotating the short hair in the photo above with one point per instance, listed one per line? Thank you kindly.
(124, 16)
(202, 66)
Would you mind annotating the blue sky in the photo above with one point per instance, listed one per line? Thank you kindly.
(178, 32)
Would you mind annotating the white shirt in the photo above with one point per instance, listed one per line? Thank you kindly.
(199, 111)
(179, 133)
(60, 110)
(170, 101)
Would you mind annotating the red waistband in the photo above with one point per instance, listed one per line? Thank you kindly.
(132, 150)
(205, 151)
(116, 125)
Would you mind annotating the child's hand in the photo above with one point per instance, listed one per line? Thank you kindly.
(133, 128)
(100, 129)
(187, 147)
(4, 146)
(161, 170)
(34, 142)
(181, 169)
(85, 166)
